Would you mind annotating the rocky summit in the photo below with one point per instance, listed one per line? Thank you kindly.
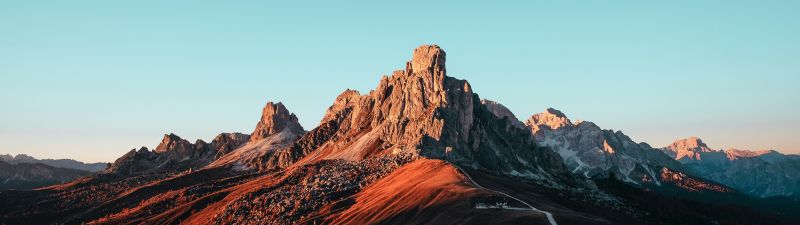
(275, 118)
(687, 149)
(277, 129)
(589, 150)
(421, 148)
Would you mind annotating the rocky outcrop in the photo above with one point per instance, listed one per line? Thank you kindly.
(175, 154)
(422, 111)
(274, 119)
(589, 150)
(759, 173)
(278, 128)
(344, 100)
(224, 143)
(550, 118)
(172, 142)
(687, 149)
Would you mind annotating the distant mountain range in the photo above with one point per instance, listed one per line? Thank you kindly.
(589, 150)
(761, 173)
(59, 163)
(421, 148)
(26, 172)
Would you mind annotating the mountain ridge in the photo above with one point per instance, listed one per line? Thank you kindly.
(590, 150)
(761, 173)
(421, 147)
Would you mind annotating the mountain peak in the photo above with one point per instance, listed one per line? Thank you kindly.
(172, 141)
(428, 58)
(274, 119)
(694, 144)
(687, 149)
(551, 118)
(420, 111)
(342, 101)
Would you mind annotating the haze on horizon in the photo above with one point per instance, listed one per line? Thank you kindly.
(90, 80)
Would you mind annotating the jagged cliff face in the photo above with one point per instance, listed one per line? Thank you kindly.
(687, 149)
(176, 154)
(589, 150)
(172, 142)
(224, 143)
(423, 112)
(550, 118)
(275, 118)
(759, 173)
(277, 129)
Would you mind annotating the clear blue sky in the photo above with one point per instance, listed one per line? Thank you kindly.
(92, 79)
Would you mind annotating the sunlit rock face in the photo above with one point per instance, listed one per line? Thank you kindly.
(275, 118)
(277, 129)
(589, 150)
(550, 118)
(172, 142)
(687, 149)
(176, 154)
(422, 111)
(759, 173)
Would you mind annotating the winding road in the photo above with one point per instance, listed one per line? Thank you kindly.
(546, 213)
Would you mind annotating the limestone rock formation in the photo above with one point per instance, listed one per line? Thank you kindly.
(175, 154)
(687, 149)
(172, 142)
(589, 150)
(759, 173)
(274, 119)
(421, 148)
(277, 129)
(550, 118)
(423, 112)
(224, 143)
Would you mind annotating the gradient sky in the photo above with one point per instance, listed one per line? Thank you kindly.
(91, 80)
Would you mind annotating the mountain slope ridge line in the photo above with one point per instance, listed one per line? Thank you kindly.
(413, 151)
(549, 215)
